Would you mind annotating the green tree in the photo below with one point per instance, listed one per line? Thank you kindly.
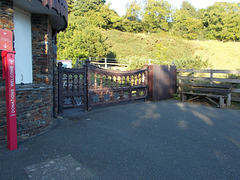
(221, 21)
(131, 21)
(82, 6)
(96, 11)
(186, 6)
(186, 22)
(125, 25)
(81, 40)
(108, 16)
(133, 11)
(156, 15)
(186, 25)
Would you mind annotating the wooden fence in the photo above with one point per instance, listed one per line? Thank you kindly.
(211, 76)
(113, 64)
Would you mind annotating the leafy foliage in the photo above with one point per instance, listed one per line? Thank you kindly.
(70, 5)
(191, 62)
(221, 22)
(186, 25)
(186, 6)
(136, 62)
(161, 52)
(156, 15)
(83, 6)
(80, 40)
(133, 11)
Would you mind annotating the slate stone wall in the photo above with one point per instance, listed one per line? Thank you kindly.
(34, 101)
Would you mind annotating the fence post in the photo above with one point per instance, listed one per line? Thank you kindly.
(192, 76)
(211, 77)
(149, 62)
(105, 63)
(60, 87)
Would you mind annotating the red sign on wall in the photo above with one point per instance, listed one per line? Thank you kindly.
(6, 42)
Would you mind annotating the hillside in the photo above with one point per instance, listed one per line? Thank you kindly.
(220, 55)
(125, 45)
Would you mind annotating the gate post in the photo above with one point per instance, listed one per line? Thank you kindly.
(87, 100)
(60, 87)
(150, 82)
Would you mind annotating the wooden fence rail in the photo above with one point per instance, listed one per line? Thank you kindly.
(211, 76)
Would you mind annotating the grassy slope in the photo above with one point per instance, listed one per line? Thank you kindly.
(220, 55)
(125, 44)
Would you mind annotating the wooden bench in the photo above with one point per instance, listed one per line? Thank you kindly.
(210, 92)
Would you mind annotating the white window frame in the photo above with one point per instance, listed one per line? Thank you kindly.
(23, 46)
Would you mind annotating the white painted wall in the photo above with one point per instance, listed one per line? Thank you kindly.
(23, 46)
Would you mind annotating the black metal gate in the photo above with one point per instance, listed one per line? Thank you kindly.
(92, 86)
(72, 88)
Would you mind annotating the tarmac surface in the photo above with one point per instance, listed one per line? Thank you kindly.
(140, 140)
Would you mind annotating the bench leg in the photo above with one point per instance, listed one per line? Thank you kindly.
(221, 102)
(229, 100)
(184, 97)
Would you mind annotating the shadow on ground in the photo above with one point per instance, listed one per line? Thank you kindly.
(142, 140)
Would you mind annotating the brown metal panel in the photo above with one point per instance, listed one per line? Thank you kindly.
(163, 82)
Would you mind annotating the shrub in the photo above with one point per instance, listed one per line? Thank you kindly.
(191, 62)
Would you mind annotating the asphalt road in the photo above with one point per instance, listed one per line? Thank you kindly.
(141, 140)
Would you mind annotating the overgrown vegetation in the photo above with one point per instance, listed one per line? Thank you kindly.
(138, 49)
(153, 30)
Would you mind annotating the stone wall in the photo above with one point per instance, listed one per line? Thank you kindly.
(34, 110)
(34, 101)
(42, 49)
(6, 15)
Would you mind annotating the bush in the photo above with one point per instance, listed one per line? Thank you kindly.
(136, 62)
(191, 62)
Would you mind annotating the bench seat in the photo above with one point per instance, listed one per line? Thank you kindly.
(210, 92)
